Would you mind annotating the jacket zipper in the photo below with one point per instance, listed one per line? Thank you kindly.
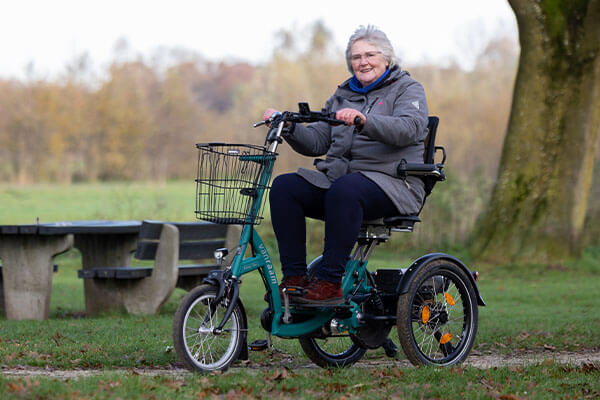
(371, 106)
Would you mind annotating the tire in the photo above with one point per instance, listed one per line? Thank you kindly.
(332, 352)
(207, 351)
(437, 317)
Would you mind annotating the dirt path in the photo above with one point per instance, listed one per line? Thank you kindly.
(477, 361)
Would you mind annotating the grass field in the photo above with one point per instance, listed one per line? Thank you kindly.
(539, 308)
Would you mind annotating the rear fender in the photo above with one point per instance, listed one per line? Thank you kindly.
(411, 271)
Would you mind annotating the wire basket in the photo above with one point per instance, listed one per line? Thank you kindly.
(231, 182)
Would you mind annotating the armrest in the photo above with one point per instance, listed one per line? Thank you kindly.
(405, 169)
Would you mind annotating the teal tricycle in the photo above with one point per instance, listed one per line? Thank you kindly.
(433, 303)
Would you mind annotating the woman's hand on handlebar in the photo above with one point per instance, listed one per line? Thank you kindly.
(351, 116)
(269, 113)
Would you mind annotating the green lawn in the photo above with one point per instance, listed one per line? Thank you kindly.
(545, 381)
(542, 308)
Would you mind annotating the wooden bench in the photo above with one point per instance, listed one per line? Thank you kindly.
(143, 290)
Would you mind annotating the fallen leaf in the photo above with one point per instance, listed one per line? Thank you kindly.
(509, 397)
(279, 375)
(589, 368)
(14, 387)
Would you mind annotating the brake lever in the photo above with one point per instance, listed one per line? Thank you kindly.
(273, 117)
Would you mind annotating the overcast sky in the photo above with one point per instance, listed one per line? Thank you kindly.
(50, 33)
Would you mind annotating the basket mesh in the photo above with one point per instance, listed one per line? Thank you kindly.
(230, 179)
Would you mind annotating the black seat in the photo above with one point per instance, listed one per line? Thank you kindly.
(429, 172)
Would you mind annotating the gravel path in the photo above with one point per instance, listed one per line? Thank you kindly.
(477, 361)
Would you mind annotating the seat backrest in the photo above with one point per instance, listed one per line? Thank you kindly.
(428, 155)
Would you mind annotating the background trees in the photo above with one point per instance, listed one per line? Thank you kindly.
(141, 119)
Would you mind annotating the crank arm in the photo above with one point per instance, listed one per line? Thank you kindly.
(287, 315)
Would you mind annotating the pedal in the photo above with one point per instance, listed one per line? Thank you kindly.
(295, 291)
(259, 345)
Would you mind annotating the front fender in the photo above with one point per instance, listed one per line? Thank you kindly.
(410, 272)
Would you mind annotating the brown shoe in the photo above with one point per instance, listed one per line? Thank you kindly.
(322, 292)
(299, 281)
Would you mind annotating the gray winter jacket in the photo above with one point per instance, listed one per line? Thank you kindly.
(395, 129)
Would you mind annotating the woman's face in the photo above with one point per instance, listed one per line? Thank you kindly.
(367, 62)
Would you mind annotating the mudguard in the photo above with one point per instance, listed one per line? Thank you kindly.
(411, 271)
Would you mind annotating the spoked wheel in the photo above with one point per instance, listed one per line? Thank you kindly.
(437, 317)
(198, 346)
(332, 351)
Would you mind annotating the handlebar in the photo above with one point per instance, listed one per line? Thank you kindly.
(278, 120)
(330, 119)
(305, 115)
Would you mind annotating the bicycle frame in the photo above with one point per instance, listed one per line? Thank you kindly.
(355, 269)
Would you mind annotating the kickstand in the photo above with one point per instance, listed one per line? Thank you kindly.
(269, 341)
(390, 348)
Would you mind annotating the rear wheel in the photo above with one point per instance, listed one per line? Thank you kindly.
(198, 346)
(437, 316)
(332, 351)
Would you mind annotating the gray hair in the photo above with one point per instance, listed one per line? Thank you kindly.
(375, 37)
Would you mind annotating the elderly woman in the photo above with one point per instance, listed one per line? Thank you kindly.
(357, 180)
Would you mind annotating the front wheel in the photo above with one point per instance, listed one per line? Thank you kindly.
(198, 346)
(437, 316)
(332, 351)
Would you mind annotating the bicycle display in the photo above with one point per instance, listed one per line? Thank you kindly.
(433, 303)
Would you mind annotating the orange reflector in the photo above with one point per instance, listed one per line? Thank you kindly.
(446, 338)
(449, 299)
(425, 315)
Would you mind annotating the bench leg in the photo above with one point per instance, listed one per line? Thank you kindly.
(27, 267)
(146, 296)
(99, 251)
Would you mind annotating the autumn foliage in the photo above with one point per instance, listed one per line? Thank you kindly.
(140, 121)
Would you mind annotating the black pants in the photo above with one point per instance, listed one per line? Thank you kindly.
(343, 206)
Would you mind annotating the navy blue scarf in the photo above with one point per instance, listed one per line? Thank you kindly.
(357, 87)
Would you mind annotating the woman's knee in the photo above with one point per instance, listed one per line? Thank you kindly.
(283, 185)
(344, 189)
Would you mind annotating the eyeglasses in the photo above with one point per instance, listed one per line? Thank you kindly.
(369, 56)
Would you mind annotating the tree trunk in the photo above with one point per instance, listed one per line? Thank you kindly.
(538, 205)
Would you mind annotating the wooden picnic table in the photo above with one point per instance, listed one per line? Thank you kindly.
(27, 253)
